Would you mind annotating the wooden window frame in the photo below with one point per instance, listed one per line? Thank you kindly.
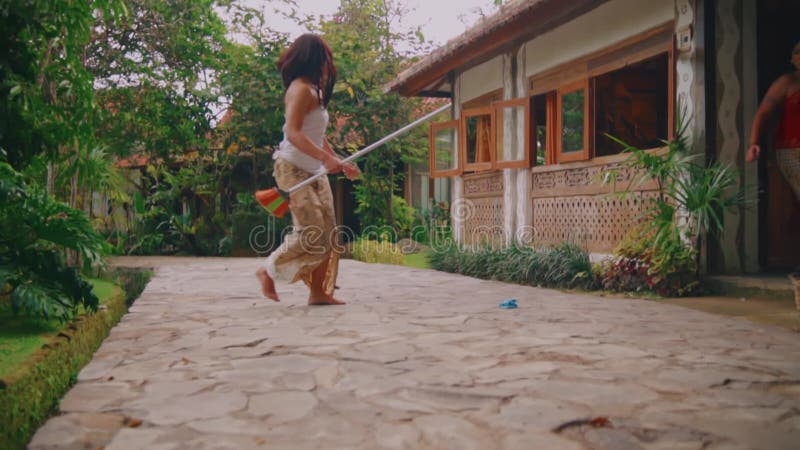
(462, 144)
(526, 145)
(648, 44)
(671, 94)
(584, 153)
(484, 100)
(434, 127)
(550, 156)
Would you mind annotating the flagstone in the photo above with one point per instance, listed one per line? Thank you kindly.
(97, 430)
(99, 368)
(397, 436)
(282, 406)
(143, 438)
(533, 440)
(174, 410)
(97, 396)
(230, 425)
(441, 431)
(422, 360)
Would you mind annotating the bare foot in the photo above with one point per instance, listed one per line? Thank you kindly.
(267, 285)
(324, 299)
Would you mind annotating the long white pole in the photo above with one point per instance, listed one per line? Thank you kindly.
(374, 145)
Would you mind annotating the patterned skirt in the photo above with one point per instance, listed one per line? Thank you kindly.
(788, 160)
(313, 233)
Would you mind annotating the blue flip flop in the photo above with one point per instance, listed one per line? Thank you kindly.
(509, 304)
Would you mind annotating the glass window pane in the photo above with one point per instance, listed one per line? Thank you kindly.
(539, 134)
(478, 131)
(632, 106)
(445, 148)
(541, 144)
(572, 119)
(424, 187)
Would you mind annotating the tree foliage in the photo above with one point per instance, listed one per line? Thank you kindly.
(155, 76)
(46, 94)
(251, 83)
(368, 54)
(34, 229)
(46, 109)
(662, 253)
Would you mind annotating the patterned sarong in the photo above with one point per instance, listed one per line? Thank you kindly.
(313, 230)
(788, 160)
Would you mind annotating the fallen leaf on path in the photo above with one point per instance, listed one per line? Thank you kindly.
(597, 422)
(131, 422)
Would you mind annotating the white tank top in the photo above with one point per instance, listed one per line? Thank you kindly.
(314, 125)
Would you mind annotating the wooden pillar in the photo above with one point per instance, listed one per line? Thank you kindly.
(509, 152)
(750, 248)
(690, 81)
(524, 231)
(459, 205)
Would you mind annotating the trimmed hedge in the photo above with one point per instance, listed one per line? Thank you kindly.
(31, 394)
(563, 266)
(383, 252)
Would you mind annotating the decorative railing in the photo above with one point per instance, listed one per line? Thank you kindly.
(571, 203)
(483, 219)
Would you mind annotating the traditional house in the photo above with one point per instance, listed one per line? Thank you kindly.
(537, 87)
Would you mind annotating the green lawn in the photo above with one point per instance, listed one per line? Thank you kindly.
(418, 260)
(20, 337)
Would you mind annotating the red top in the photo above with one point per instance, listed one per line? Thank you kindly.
(788, 135)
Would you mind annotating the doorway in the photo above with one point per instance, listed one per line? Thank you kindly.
(779, 211)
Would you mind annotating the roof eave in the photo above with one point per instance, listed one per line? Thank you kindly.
(487, 39)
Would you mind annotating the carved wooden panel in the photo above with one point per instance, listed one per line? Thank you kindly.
(596, 222)
(484, 223)
(570, 203)
(586, 180)
(483, 209)
(484, 184)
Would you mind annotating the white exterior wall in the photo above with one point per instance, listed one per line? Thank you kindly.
(481, 79)
(604, 26)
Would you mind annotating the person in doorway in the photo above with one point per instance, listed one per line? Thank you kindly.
(308, 74)
(783, 96)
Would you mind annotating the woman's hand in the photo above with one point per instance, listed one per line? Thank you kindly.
(332, 164)
(351, 171)
(753, 153)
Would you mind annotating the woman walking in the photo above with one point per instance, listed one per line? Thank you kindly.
(308, 74)
(783, 96)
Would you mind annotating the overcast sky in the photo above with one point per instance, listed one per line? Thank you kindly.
(440, 19)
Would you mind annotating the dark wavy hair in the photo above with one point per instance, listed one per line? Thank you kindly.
(310, 57)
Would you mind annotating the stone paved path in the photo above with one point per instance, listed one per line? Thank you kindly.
(422, 359)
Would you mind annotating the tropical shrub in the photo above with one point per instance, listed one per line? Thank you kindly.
(34, 231)
(668, 269)
(372, 251)
(253, 229)
(404, 217)
(562, 266)
(432, 226)
(662, 254)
